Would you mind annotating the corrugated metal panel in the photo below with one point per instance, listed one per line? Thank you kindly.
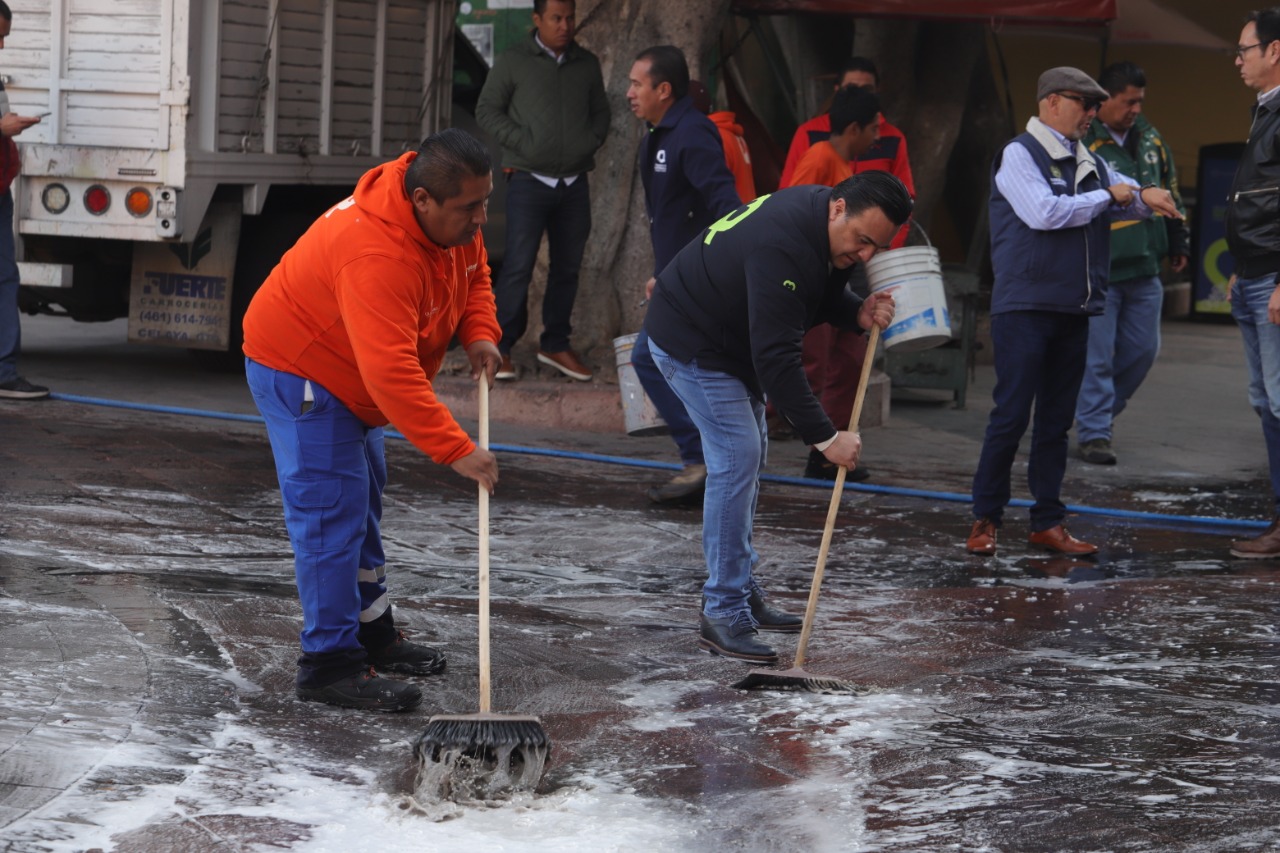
(354, 60)
(300, 69)
(242, 75)
(403, 84)
(113, 74)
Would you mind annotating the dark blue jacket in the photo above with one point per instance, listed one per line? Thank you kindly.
(687, 184)
(1064, 270)
(740, 298)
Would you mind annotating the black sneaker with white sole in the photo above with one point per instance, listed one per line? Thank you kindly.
(20, 389)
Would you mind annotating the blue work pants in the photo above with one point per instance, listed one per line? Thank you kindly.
(332, 471)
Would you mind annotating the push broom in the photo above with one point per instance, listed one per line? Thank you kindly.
(484, 752)
(795, 677)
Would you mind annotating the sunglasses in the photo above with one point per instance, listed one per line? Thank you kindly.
(1089, 104)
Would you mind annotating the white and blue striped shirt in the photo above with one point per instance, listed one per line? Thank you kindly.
(1021, 183)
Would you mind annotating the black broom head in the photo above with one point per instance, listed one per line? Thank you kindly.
(480, 755)
(795, 679)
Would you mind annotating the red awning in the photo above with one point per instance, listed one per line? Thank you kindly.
(1044, 11)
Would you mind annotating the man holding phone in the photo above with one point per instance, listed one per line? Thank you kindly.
(12, 386)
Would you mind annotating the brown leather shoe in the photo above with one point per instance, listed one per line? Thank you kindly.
(1059, 540)
(982, 538)
(566, 362)
(1261, 547)
(506, 370)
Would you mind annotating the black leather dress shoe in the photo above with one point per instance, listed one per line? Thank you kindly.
(734, 637)
(768, 619)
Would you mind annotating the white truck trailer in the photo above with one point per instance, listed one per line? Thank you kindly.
(188, 143)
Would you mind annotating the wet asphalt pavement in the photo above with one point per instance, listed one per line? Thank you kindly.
(1018, 703)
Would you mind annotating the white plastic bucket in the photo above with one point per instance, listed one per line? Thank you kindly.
(914, 276)
(638, 414)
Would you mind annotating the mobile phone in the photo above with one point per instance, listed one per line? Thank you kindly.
(45, 113)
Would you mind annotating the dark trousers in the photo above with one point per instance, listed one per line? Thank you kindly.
(10, 327)
(1039, 360)
(683, 430)
(833, 364)
(564, 214)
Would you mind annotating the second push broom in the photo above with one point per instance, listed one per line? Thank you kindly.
(796, 677)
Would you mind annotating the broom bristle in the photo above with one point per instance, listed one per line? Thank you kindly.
(467, 756)
(796, 679)
(476, 731)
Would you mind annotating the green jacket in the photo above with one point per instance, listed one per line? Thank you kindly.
(549, 117)
(1138, 246)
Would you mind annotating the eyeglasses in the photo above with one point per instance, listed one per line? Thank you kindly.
(1089, 104)
(1239, 52)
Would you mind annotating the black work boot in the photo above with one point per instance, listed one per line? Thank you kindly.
(734, 637)
(407, 658)
(365, 690)
(768, 619)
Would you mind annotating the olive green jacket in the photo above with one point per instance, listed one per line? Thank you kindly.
(549, 117)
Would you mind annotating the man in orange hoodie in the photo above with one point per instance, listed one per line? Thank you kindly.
(736, 154)
(344, 337)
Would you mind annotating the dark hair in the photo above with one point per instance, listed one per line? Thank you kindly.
(4, 11)
(1118, 76)
(853, 105)
(540, 6)
(866, 190)
(859, 63)
(443, 159)
(1267, 22)
(667, 65)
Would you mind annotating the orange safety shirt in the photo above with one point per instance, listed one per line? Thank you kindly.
(822, 165)
(366, 305)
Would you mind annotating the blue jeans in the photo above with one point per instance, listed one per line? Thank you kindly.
(564, 214)
(1123, 344)
(1039, 360)
(1262, 355)
(735, 442)
(683, 430)
(10, 328)
(332, 471)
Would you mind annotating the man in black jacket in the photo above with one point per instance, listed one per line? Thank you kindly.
(1254, 242)
(725, 327)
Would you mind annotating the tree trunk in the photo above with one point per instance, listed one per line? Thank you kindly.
(925, 72)
(619, 257)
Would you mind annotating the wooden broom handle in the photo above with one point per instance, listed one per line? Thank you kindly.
(834, 506)
(482, 525)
